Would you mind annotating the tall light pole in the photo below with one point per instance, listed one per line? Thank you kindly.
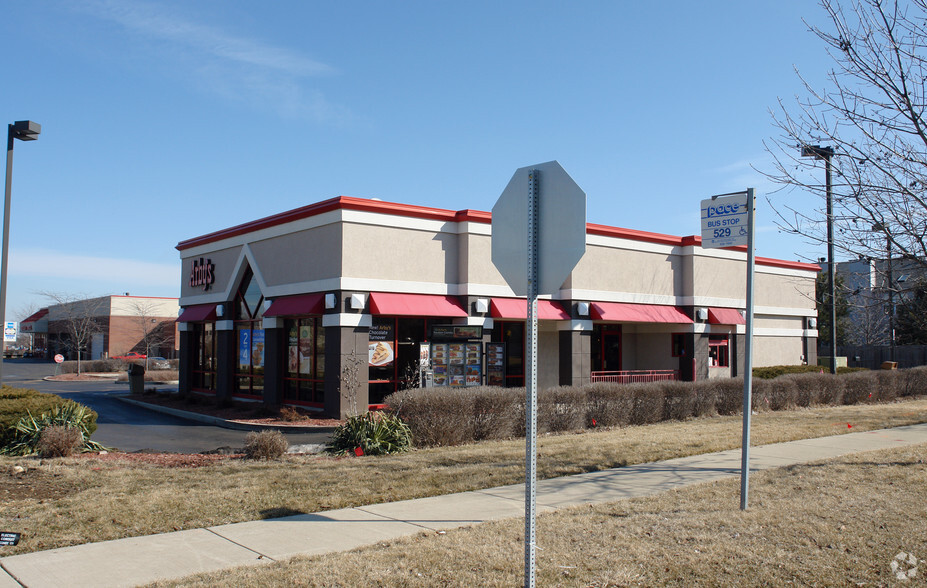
(24, 130)
(825, 153)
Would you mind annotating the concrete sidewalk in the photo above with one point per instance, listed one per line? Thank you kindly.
(139, 560)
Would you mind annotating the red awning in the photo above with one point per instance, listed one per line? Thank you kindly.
(637, 313)
(296, 305)
(415, 305)
(198, 312)
(725, 316)
(516, 308)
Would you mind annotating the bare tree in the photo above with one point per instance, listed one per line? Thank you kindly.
(154, 332)
(80, 318)
(871, 113)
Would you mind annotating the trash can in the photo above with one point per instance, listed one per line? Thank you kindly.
(136, 379)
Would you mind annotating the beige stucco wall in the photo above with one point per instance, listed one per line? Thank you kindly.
(624, 270)
(143, 306)
(777, 351)
(719, 278)
(778, 322)
(224, 267)
(388, 253)
(476, 266)
(784, 291)
(304, 256)
(548, 358)
(647, 351)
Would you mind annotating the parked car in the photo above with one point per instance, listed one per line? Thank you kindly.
(159, 363)
(131, 356)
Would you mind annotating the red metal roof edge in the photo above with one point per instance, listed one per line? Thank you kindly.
(469, 215)
(35, 316)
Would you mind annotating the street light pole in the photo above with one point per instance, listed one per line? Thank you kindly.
(24, 130)
(826, 153)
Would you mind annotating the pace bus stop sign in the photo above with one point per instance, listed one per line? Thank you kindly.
(561, 228)
(724, 221)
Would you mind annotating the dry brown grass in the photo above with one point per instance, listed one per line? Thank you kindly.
(77, 500)
(836, 523)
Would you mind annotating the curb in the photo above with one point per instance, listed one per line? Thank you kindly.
(225, 424)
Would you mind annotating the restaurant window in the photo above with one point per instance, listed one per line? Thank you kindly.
(679, 344)
(249, 337)
(304, 382)
(718, 351)
(513, 335)
(606, 348)
(204, 357)
(393, 355)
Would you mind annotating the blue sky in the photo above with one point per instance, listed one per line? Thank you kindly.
(163, 121)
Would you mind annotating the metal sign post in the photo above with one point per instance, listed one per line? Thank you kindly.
(728, 220)
(549, 244)
(531, 382)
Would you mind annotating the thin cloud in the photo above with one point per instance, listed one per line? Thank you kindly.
(105, 270)
(235, 67)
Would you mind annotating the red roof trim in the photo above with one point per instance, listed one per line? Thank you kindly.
(625, 312)
(197, 312)
(440, 214)
(35, 316)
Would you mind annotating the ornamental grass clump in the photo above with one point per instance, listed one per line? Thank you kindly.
(373, 433)
(59, 441)
(27, 433)
(265, 445)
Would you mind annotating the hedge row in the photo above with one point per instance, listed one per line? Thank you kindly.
(775, 371)
(15, 403)
(453, 416)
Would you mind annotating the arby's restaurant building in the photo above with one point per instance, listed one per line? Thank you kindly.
(337, 304)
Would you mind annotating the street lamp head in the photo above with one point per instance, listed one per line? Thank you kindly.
(817, 152)
(25, 130)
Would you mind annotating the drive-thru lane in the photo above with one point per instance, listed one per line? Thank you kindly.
(131, 428)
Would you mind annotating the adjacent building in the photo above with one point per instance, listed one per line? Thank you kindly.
(106, 326)
(337, 304)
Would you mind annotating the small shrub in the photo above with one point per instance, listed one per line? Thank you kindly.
(292, 415)
(561, 409)
(269, 444)
(59, 441)
(375, 433)
(648, 403)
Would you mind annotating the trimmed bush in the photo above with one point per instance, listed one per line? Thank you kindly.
(374, 433)
(451, 416)
(101, 366)
(269, 444)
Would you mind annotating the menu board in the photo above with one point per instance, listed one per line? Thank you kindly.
(495, 364)
(456, 364)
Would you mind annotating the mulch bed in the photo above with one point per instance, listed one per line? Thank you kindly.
(242, 413)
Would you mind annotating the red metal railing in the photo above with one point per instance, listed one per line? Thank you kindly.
(628, 376)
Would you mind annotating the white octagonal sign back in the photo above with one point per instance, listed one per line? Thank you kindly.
(561, 228)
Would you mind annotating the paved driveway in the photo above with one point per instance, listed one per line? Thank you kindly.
(128, 427)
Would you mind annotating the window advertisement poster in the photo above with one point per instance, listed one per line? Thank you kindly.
(380, 350)
(439, 359)
(257, 348)
(305, 349)
(244, 348)
(474, 364)
(456, 353)
(495, 364)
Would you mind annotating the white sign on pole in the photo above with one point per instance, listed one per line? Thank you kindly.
(724, 221)
(10, 332)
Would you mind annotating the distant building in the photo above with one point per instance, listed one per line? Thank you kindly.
(116, 325)
(874, 289)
